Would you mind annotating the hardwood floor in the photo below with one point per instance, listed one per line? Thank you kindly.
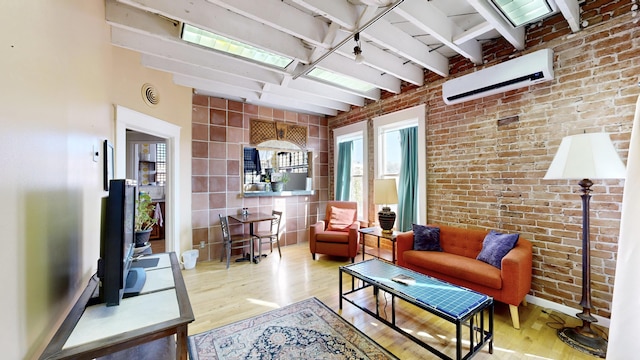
(220, 296)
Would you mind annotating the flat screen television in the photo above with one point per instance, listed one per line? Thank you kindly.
(117, 277)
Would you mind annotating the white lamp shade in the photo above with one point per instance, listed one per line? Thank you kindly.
(385, 191)
(586, 156)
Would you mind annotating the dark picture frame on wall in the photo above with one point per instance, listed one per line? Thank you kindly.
(108, 163)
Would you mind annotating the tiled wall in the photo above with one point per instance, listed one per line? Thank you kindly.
(220, 129)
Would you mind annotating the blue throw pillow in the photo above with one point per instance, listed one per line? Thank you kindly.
(495, 246)
(426, 238)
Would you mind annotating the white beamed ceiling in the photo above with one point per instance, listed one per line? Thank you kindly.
(415, 36)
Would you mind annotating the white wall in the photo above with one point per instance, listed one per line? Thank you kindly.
(60, 78)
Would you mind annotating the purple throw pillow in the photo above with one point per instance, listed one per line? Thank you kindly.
(426, 238)
(495, 246)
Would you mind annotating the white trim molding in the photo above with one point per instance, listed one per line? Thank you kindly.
(130, 119)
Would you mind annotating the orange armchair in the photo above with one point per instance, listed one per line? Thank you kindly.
(337, 235)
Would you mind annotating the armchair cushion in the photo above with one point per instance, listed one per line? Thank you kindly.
(333, 237)
(495, 246)
(340, 219)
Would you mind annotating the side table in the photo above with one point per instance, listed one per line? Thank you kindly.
(379, 252)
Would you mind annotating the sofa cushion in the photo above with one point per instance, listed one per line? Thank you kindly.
(340, 219)
(456, 266)
(495, 246)
(426, 238)
(459, 241)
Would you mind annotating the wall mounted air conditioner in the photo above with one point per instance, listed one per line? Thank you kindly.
(516, 73)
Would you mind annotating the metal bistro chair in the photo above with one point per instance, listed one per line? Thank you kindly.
(271, 236)
(233, 241)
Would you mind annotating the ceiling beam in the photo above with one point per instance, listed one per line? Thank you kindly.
(329, 91)
(225, 79)
(215, 88)
(183, 68)
(571, 11)
(212, 88)
(305, 97)
(473, 33)
(341, 12)
(390, 37)
(381, 32)
(515, 36)
(387, 63)
(185, 53)
(281, 16)
(171, 46)
(216, 19)
(361, 72)
(431, 20)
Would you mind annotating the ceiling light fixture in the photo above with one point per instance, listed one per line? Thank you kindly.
(357, 50)
(522, 12)
(308, 68)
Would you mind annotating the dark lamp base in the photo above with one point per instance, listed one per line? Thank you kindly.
(387, 219)
(589, 342)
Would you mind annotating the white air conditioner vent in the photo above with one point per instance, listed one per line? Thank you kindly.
(517, 73)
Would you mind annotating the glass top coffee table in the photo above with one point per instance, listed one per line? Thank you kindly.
(453, 303)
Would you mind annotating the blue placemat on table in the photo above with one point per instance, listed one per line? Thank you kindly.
(451, 299)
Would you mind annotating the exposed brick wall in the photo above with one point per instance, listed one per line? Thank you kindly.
(486, 158)
(220, 130)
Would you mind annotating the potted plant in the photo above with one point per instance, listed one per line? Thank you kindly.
(278, 180)
(144, 219)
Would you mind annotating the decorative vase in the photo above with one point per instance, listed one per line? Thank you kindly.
(142, 237)
(386, 218)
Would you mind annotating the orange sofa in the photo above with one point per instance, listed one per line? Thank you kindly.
(457, 264)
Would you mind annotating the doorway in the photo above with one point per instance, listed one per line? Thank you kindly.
(147, 164)
(138, 123)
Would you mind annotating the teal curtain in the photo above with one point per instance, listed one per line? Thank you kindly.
(408, 181)
(343, 175)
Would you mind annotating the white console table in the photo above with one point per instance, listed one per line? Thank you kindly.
(162, 309)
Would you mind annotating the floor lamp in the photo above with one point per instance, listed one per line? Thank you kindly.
(585, 157)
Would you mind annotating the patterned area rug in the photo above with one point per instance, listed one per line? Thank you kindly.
(305, 330)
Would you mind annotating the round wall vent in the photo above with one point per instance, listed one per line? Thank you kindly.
(150, 95)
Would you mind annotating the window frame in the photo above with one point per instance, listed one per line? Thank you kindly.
(347, 133)
(396, 121)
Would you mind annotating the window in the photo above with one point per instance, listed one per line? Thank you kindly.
(232, 47)
(295, 162)
(388, 155)
(161, 163)
(341, 80)
(357, 191)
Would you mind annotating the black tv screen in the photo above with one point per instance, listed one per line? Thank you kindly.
(117, 241)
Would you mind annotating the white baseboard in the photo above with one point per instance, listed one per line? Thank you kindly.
(602, 321)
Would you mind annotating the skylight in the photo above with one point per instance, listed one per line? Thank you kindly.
(521, 12)
(223, 44)
(341, 80)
